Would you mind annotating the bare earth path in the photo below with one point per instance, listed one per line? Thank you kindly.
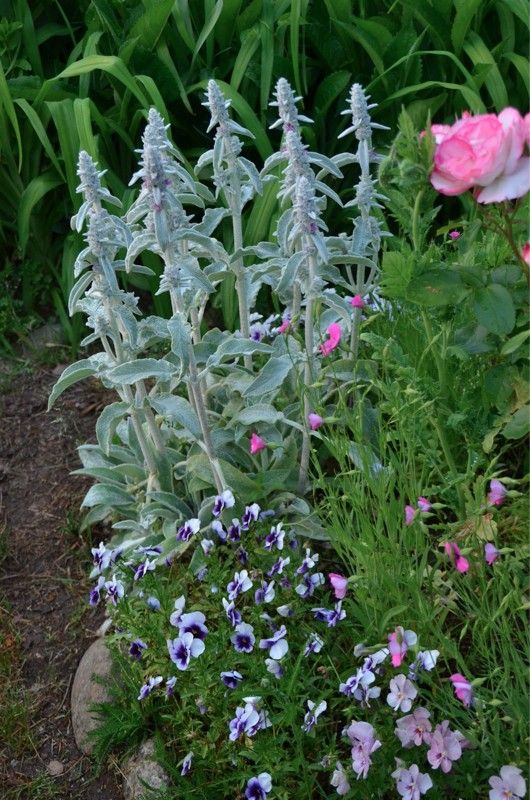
(45, 624)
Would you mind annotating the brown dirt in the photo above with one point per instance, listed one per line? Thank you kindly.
(43, 583)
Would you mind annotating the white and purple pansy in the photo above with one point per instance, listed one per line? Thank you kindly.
(309, 584)
(233, 533)
(222, 501)
(245, 721)
(193, 623)
(243, 638)
(277, 644)
(115, 590)
(275, 537)
(183, 648)
(258, 787)
(186, 531)
(136, 649)
(232, 614)
(265, 594)
(231, 679)
(180, 604)
(95, 593)
(143, 568)
(274, 667)
(186, 764)
(277, 567)
(148, 687)
(314, 644)
(241, 583)
(101, 557)
(217, 527)
(308, 563)
(250, 515)
(311, 717)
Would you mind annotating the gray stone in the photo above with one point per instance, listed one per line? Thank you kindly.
(55, 768)
(86, 692)
(142, 771)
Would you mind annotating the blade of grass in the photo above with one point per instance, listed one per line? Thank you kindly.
(480, 54)
(207, 29)
(110, 64)
(32, 194)
(250, 40)
(42, 136)
(6, 105)
(267, 52)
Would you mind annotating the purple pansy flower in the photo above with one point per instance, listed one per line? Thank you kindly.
(95, 593)
(275, 537)
(115, 590)
(277, 644)
(207, 546)
(186, 764)
(170, 686)
(277, 567)
(414, 729)
(311, 717)
(364, 743)
(136, 648)
(101, 557)
(243, 639)
(250, 515)
(411, 783)
(231, 679)
(510, 784)
(183, 648)
(308, 563)
(241, 583)
(245, 721)
(233, 533)
(339, 780)
(274, 667)
(331, 617)
(180, 603)
(149, 550)
(193, 623)
(446, 747)
(402, 693)
(217, 527)
(143, 569)
(232, 614)
(223, 500)
(314, 644)
(153, 603)
(265, 594)
(309, 584)
(259, 787)
(285, 610)
(242, 555)
(148, 687)
(186, 531)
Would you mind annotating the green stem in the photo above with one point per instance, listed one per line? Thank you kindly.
(308, 367)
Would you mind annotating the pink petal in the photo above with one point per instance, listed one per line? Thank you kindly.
(409, 515)
(462, 564)
(334, 332)
(508, 187)
(257, 444)
(357, 301)
(514, 130)
(423, 504)
(525, 252)
(339, 583)
(447, 185)
(315, 421)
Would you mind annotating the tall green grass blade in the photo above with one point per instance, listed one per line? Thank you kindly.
(227, 22)
(250, 40)
(520, 9)
(110, 64)
(267, 52)
(261, 218)
(294, 35)
(471, 97)
(154, 95)
(521, 65)
(466, 10)
(29, 38)
(108, 18)
(209, 25)
(181, 15)
(165, 56)
(328, 91)
(40, 132)
(83, 121)
(90, 49)
(6, 105)
(151, 25)
(32, 194)
(65, 122)
(430, 17)
(479, 55)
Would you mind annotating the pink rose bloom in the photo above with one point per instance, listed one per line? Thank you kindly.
(357, 301)
(423, 504)
(334, 332)
(491, 553)
(315, 421)
(339, 583)
(497, 493)
(453, 551)
(463, 688)
(525, 252)
(409, 515)
(483, 150)
(257, 444)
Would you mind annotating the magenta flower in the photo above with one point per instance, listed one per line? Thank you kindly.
(497, 493)
(445, 747)
(414, 729)
(453, 551)
(399, 642)
(463, 688)
(411, 783)
(357, 301)
(257, 444)
(454, 235)
(423, 504)
(362, 737)
(315, 421)
(339, 583)
(525, 252)
(402, 693)
(509, 786)
(491, 553)
(410, 513)
(334, 332)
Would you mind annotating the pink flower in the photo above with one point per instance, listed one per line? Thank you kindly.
(453, 551)
(362, 737)
(484, 150)
(414, 729)
(334, 332)
(525, 252)
(491, 553)
(463, 688)
(409, 515)
(454, 234)
(423, 504)
(284, 327)
(399, 642)
(315, 421)
(446, 747)
(257, 444)
(497, 493)
(411, 783)
(339, 583)
(510, 784)
(357, 301)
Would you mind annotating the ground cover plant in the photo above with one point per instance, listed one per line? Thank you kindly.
(316, 572)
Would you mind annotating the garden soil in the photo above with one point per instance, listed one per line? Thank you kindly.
(43, 585)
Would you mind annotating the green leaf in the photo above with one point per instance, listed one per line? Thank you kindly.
(140, 369)
(177, 409)
(72, 374)
(104, 494)
(436, 288)
(110, 64)
(479, 55)
(32, 194)
(150, 26)
(249, 44)
(42, 136)
(261, 412)
(397, 272)
(6, 105)
(236, 346)
(514, 343)
(107, 423)
(466, 10)
(518, 424)
(271, 376)
(207, 29)
(494, 309)
(328, 90)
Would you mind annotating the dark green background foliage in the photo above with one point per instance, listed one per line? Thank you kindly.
(83, 74)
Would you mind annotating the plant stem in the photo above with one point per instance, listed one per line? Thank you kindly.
(308, 367)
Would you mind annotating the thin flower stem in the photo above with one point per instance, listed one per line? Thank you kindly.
(309, 370)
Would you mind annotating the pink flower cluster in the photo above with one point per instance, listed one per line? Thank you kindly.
(483, 152)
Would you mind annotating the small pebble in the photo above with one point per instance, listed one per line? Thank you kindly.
(55, 768)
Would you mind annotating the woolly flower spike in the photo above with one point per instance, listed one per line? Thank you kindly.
(453, 551)
(509, 786)
(311, 718)
(361, 124)
(339, 780)
(218, 106)
(362, 737)
(491, 553)
(497, 493)
(334, 332)
(286, 104)
(92, 190)
(463, 689)
(411, 783)
(259, 787)
(257, 444)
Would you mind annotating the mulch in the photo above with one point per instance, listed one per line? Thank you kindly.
(43, 577)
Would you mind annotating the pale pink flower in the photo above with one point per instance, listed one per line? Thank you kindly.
(257, 444)
(526, 127)
(509, 786)
(463, 688)
(315, 421)
(414, 728)
(284, 327)
(339, 780)
(438, 131)
(454, 235)
(497, 493)
(411, 783)
(453, 551)
(357, 301)
(334, 332)
(483, 150)
(445, 747)
(339, 583)
(399, 642)
(525, 252)
(423, 504)
(362, 737)
(491, 553)
(410, 512)
(402, 693)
